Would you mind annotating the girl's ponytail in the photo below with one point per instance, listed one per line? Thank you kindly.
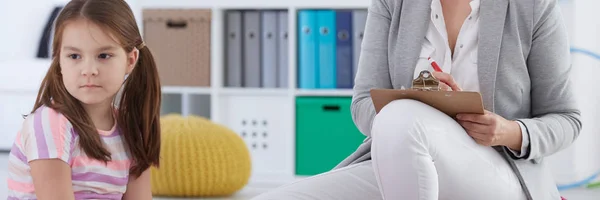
(139, 112)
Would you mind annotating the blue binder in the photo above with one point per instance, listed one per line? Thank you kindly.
(327, 49)
(307, 49)
(344, 49)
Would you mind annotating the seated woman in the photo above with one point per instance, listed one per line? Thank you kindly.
(515, 53)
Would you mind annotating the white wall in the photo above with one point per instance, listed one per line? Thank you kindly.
(21, 23)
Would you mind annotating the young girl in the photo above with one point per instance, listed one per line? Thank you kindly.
(80, 141)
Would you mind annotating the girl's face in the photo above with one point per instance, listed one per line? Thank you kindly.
(93, 64)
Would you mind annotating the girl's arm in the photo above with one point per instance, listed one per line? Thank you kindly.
(52, 179)
(46, 143)
(139, 188)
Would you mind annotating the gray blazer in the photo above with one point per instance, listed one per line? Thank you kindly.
(523, 66)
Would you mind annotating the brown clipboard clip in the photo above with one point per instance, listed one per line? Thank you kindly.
(426, 88)
(426, 82)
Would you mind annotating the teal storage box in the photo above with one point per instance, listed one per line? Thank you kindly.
(325, 133)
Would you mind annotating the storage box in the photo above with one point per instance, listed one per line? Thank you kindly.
(180, 43)
(325, 133)
(265, 124)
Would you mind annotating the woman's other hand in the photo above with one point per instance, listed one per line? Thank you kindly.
(491, 129)
(447, 83)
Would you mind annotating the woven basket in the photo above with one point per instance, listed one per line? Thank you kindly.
(180, 43)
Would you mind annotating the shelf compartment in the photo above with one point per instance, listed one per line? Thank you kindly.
(264, 123)
(171, 104)
(256, 48)
(199, 105)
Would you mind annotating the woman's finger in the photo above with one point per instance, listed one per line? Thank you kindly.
(476, 127)
(475, 118)
(444, 87)
(447, 79)
(478, 135)
(486, 119)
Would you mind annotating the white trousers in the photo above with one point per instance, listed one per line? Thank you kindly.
(421, 153)
(418, 153)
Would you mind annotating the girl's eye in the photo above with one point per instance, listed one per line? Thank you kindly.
(74, 56)
(104, 56)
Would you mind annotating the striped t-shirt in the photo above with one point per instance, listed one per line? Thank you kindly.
(47, 134)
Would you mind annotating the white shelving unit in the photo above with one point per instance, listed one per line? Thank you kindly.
(264, 117)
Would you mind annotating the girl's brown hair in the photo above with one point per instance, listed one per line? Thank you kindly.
(139, 105)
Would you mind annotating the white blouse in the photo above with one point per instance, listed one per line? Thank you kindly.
(463, 64)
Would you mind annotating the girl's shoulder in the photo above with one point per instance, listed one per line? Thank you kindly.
(46, 133)
(45, 116)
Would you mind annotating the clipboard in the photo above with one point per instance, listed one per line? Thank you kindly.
(426, 89)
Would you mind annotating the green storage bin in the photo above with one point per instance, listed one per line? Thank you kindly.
(325, 133)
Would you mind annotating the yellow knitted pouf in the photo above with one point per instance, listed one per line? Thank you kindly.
(199, 158)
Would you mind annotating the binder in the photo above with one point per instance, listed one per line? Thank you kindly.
(268, 49)
(327, 49)
(344, 49)
(425, 88)
(282, 49)
(359, 19)
(251, 48)
(307, 49)
(233, 60)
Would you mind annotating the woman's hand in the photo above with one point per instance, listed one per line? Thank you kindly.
(447, 83)
(491, 129)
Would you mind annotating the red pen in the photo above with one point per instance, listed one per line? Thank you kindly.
(435, 66)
